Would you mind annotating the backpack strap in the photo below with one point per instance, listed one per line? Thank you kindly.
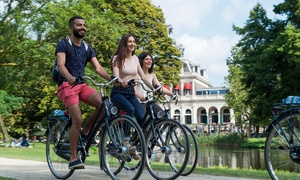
(69, 49)
(68, 46)
(87, 48)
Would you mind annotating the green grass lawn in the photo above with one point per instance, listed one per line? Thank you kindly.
(37, 153)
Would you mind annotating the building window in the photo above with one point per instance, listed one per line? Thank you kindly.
(226, 116)
(214, 116)
(177, 115)
(177, 89)
(203, 118)
(187, 89)
(188, 117)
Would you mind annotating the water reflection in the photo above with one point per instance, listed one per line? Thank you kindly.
(210, 156)
(231, 157)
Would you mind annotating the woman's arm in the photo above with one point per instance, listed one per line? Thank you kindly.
(137, 88)
(164, 90)
(144, 78)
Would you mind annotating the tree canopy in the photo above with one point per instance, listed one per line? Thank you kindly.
(29, 31)
(265, 61)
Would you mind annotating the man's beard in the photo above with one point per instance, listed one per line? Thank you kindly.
(76, 34)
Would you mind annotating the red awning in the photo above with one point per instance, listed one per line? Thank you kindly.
(187, 86)
(177, 87)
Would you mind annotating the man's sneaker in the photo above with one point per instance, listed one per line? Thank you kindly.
(94, 142)
(76, 165)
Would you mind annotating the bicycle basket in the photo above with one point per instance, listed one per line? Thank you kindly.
(59, 114)
(291, 100)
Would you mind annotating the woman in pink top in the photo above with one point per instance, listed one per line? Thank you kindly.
(147, 64)
(125, 65)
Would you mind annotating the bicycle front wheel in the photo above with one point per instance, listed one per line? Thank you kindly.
(168, 149)
(121, 159)
(57, 158)
(282, 147)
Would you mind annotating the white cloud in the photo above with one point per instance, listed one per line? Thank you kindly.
(187, 14)
(204, 28)
(210, 54)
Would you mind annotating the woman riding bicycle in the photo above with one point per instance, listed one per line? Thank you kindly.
(125, 65)
(147, 64)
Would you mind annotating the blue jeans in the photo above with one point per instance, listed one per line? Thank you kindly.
(125, 99)
(130, 104)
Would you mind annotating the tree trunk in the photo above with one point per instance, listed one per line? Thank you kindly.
(3, 130)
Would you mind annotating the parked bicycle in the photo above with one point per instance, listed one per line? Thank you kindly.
(282, 147)
(194, 149)
(167, 142)
(114, 152)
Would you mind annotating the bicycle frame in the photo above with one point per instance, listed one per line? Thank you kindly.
(113, 146)
(84, 143)
(149, 119)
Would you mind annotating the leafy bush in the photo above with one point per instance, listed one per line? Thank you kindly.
(254, 143)
(221, 139)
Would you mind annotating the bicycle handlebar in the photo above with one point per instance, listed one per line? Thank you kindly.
(167, 101)
(155, 89)
(102, 85)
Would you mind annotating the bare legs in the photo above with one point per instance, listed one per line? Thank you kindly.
(75, 113)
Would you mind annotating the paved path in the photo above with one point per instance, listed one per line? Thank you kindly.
(34, 170)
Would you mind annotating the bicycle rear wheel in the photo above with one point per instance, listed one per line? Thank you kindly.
(57, 158)
(167, 155)
(282, 147)
(115, 154)
(194, 153)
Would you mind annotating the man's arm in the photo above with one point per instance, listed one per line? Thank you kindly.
(99, 69)
(61, 60)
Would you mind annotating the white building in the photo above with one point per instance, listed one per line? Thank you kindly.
(201, 106)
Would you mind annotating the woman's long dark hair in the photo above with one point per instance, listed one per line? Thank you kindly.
(142, 56)
(120, 53)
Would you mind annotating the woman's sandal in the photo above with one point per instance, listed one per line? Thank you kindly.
(132, 151)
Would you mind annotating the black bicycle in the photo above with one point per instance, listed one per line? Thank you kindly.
(167, 142)
(194, 149)
(114, 152)
(282, 147)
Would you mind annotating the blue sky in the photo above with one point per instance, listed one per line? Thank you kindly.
(204, 28)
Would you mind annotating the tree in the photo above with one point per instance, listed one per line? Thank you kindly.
(113, 19)
(291, 9)
(30, 30)
(268, 60)
(147, 23)
(20, 59)
(8, 104)
(237, 94)
(256, 64)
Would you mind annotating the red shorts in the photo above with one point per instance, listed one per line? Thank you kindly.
(70, 96)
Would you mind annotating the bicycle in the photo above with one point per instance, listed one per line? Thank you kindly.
(112, 150)
(167, 142)
(194, 149)
(282, 146)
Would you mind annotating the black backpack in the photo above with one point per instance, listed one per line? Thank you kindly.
(55, 72)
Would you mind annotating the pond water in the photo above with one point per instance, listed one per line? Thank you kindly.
(231, 157)
(234, 158)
